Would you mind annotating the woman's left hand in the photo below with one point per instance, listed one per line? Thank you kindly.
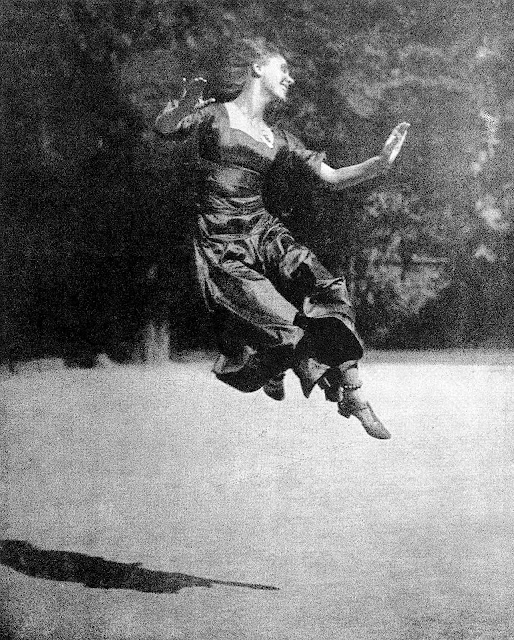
(394, 143)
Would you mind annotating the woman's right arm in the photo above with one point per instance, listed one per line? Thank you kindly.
(179, 114)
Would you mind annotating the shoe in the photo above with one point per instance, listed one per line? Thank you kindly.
(331, 387)
(274, 388)
(365, 414)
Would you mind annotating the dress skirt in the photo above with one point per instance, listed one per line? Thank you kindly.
(274, 306)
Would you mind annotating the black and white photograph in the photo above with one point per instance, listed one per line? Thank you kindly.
(256, 320)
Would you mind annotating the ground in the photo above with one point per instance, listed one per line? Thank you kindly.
(406, 539)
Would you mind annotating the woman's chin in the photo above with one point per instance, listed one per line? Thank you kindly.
(280, 96)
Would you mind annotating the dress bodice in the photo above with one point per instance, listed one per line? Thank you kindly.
(234, 167)
(219, 142)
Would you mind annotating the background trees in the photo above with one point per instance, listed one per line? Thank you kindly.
(95, 209)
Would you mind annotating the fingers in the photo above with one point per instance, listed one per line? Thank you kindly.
(392, 137)
(193, 91)
(171, 106)
(395, 142)
(399, 132)
(196, 85)
(193, 87)
(191, 95)
(196, 79)
(402, 128)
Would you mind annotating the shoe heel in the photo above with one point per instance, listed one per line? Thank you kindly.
(344, 409)
(274, 388)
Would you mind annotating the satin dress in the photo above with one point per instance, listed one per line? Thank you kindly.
(274, 306)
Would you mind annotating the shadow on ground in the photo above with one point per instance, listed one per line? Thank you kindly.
(97, 573)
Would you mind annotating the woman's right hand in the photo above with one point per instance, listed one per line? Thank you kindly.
(192, 94)
(192, 97)
(178, 110)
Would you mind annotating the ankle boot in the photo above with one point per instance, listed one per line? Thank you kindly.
(362, 410)
(331, 384)
(274, 388)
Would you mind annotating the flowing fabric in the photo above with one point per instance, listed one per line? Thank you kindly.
(273, 304)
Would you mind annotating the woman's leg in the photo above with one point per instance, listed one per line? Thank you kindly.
(343, 386)
(274, 387)
(325, 310)
(331, 346)
(255, 327)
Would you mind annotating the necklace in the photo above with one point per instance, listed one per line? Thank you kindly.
(259, 127)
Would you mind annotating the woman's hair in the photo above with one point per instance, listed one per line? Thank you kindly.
(241, 55)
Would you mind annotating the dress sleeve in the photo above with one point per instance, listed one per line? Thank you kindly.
(290, 187)
(185, 127)
(302, 159)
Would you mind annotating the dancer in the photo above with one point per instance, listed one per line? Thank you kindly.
(274, 306)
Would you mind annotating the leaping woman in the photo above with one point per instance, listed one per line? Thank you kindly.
(274, 306)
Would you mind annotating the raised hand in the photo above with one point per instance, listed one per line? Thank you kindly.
(177, 110)
(192, 94)
(394, 143)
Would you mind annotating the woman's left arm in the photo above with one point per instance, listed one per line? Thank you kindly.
(378, 165)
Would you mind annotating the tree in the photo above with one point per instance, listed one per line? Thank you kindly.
(95, 201)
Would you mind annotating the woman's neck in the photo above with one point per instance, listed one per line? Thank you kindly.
(252, 102)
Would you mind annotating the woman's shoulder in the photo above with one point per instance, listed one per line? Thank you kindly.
(212, 116)
(291, 140)
(167, 123)
(209, 113)
(298, 155)
(214, 111)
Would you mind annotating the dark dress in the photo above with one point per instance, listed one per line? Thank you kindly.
(273, 305)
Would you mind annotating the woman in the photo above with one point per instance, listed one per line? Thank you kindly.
(274, 306)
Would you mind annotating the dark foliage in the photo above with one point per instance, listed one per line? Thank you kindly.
(96, 210)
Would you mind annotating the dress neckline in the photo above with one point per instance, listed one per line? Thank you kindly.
(264, 144)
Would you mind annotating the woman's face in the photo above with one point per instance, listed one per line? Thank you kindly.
(275, 78)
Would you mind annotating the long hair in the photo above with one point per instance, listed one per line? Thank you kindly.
(238, 59)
